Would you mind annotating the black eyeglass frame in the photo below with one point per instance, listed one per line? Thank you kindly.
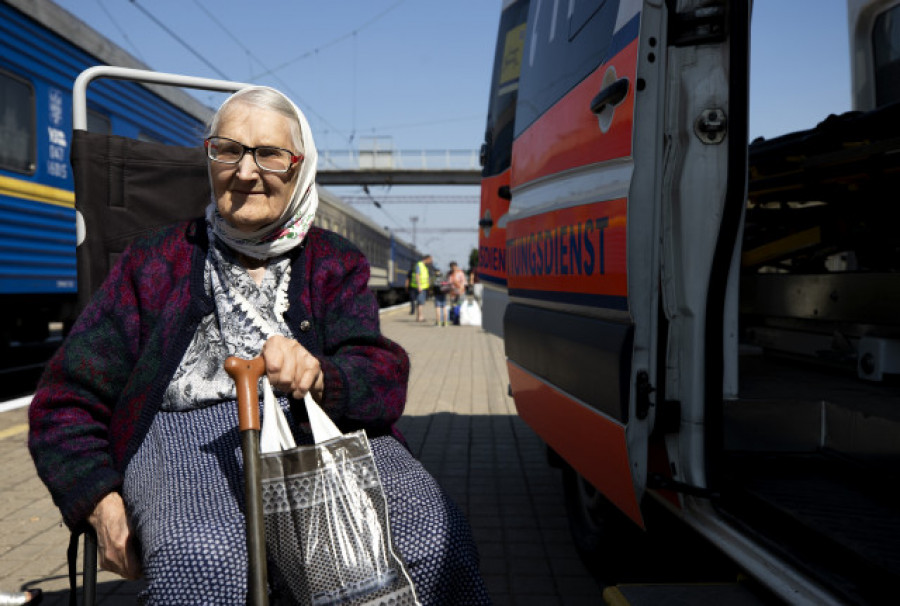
(294, 158)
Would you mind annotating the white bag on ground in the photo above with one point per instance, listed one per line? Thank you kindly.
(469, 313)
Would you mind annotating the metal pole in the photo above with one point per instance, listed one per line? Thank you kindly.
(79, 89)
(246, 374)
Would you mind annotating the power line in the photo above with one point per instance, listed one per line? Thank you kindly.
(196, 53)
(396, 127)
(122, 31)
(333, 42)
(431, 199)
(369, 198)
(179, 40)
(284, 86)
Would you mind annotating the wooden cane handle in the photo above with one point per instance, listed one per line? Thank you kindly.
(246, 374)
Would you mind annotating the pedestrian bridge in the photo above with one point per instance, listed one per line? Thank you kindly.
(399, 167)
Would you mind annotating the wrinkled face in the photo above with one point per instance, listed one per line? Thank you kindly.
(249, 198)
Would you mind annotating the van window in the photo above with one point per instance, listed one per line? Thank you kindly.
(504, 89)
(567, 41)
(886, 49)
(17, 124)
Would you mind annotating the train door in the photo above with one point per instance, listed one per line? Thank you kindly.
(495, 159)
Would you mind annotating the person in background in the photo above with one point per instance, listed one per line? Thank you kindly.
(411, 289)
(439, 290)
(457, 281)
(133, 427)
(421, 279)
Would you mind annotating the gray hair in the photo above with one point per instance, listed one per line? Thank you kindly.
(264, 98)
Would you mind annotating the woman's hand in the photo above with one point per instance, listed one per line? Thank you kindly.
(292, 369)
(115, 541)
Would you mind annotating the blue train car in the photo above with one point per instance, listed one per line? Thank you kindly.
(42, 50)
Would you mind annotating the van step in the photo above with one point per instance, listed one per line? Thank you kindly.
(682, 594)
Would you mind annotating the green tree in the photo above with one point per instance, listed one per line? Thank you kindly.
(473, 260)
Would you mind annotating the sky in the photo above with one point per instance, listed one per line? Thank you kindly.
(415, 74)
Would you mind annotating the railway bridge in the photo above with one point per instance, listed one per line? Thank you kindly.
(388, 166)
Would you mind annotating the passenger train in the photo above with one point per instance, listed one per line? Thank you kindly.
(42, 50)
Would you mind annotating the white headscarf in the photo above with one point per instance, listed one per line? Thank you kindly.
(291, 227)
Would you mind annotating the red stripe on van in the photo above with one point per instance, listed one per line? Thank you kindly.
(568, 134)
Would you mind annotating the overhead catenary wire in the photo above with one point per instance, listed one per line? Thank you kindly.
(283, 85)
(333, 42)
(369, 197)
(178, 39)
(411, 199)
(122, 31)
(271, 71)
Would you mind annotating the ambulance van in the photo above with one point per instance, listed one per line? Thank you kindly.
(703, 330)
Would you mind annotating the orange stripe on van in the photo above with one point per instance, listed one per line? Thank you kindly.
(492, 240)
(581, 249)
(582, 436)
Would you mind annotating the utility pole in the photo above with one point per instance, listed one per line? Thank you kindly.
(414, 220)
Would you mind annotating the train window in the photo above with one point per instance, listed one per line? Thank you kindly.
(98, 123)
(17, 124)
(886, 46)
(564, 44)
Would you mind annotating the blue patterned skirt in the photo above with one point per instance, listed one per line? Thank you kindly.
(184, 490)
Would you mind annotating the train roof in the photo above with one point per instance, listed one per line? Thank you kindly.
(71, 28)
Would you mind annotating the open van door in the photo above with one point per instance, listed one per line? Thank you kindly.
(618, 180)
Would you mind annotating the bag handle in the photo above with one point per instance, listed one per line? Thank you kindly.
(246, 375)
(323, 428)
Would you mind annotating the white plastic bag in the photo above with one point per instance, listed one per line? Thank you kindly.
(469, 313)
(327, 533)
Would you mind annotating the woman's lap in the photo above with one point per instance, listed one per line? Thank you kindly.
(186, 500)
(430, 532)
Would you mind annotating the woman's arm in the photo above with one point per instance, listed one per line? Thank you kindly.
(365, 374)
(71, 412)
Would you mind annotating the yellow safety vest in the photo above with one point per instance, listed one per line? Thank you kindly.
(419, 277)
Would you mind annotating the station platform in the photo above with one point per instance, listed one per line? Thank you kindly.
(459, 422)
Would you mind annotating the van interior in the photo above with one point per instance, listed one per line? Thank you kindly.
(812, 441)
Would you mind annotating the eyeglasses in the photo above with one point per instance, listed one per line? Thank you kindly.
(269, 159)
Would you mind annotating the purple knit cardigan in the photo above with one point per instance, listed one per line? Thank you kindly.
(99, 393)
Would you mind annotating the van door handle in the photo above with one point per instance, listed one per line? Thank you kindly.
(611, 95)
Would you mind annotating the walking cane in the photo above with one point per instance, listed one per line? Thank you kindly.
(246, 374)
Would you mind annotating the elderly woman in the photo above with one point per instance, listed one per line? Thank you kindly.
(133, 426)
